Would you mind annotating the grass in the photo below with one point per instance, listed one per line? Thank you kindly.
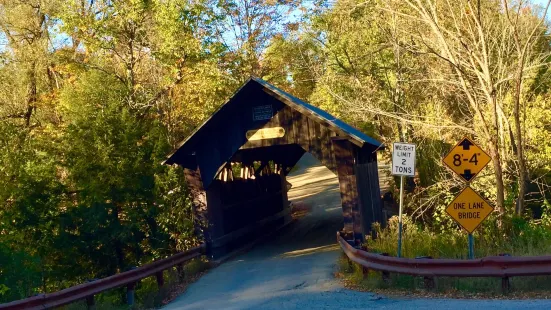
(147, 294)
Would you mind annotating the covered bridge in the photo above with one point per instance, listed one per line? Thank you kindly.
(237, 161)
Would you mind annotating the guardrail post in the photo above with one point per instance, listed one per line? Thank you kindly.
(428, 282)
(91, 302)
(130, 294)
(160, 279)
(350, 264)
(365, 270)
(181, 272)
(385, 274)
(505, 285)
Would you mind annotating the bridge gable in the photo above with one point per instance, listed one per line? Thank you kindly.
(256, 106)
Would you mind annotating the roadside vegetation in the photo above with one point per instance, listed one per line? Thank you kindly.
(95, 94)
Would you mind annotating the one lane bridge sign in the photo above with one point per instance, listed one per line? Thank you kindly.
(468, 209)
(466, 159)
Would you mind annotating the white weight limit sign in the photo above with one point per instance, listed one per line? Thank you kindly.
(403, 159)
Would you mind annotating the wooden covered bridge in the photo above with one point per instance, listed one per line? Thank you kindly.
(237, 161)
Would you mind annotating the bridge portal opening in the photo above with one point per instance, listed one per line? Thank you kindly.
(315, 205)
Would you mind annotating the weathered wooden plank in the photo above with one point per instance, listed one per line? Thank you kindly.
(289, 125)
(369, 193)
(305, 133)
(347, 182)
(326, 146)
(199, 201)
(311, 136)
(215, 212)
(300, 136)
(317, 152)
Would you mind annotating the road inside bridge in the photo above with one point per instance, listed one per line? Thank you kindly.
(294, 268)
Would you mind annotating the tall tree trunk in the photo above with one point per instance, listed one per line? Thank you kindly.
(500, 187)
(119, 252)
(496, 156)
(522, 173)
(32, 96)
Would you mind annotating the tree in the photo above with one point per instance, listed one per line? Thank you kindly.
(527, 34)
(247, 27)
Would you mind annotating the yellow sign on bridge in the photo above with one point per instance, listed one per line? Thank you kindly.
(265, 133)
(469, 209)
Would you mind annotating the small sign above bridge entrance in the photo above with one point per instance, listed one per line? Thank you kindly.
(469, 209)
(262, 112)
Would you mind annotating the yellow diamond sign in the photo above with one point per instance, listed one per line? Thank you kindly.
(469, 209)
(466, 159)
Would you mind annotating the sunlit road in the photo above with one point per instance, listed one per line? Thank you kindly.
(294, 269)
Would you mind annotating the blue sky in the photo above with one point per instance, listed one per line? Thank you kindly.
(62, 39)
(543, 3)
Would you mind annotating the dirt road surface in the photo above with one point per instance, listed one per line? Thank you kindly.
(294, 268)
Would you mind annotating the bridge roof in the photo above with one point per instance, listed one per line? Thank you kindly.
(223, 133)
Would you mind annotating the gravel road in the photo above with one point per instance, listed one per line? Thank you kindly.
(294, 269)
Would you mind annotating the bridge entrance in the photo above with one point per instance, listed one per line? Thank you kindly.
(236, 166)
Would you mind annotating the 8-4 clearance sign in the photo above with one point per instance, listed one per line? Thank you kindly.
(468, 209)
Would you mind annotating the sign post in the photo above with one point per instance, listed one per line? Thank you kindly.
(471, 246)
(403, 164)
(468, 209)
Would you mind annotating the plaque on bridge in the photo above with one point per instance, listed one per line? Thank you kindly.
(262, 112)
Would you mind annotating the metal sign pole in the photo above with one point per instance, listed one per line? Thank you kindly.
(471, 246)
(400, 216)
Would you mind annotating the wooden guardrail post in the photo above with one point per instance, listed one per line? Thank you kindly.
(428, 282)
(160, 279)
(385, 274)
(350, 264)
(181, 272)
(365, 270)
(91, 302)
(130, 294)
(505, 283)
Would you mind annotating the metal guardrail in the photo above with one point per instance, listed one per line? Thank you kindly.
(88, 290)
(493, 266)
